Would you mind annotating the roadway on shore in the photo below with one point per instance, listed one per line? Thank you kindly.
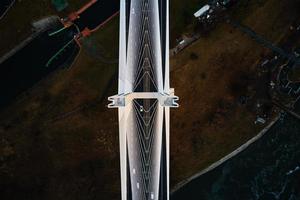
(261, 40)
(5, 5)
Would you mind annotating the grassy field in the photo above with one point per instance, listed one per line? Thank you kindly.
(216, 123)
(61, 142)
(211, 122)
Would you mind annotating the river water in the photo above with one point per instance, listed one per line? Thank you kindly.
(4, 4)
(268, 170)
(29, 65)
(103, 9)
(32, 63)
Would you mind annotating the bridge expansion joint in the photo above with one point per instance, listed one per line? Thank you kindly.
(165, 100)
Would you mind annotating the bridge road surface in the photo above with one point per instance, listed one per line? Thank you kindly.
(144, 99)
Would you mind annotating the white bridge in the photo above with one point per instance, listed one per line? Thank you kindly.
(144, 99)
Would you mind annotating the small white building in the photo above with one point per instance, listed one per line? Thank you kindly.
(202, 11)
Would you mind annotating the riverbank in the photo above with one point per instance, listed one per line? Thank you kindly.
(6, 9)
(219, 83)
(268, 169)
(61, 141)
(226, 158)
(17, 24)
(52, 22)
(28, 63)
(51, 29)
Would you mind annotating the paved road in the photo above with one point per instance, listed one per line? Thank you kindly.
(261, 40)
(5, 5)
(287, 110)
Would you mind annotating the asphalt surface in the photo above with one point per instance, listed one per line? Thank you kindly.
(263, 41)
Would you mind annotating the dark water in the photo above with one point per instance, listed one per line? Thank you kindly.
(30, 65)
(97, 14)
(4, 4)
(268, 170)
